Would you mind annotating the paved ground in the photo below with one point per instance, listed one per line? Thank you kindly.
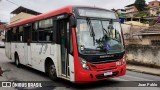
(27, 74)
(144, 69)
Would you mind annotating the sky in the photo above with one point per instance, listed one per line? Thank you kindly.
(47, 5)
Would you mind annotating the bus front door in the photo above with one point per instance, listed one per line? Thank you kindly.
(63, 27)
(27, 47)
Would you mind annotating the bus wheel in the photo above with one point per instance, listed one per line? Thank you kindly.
(52, 71)
(17, 61)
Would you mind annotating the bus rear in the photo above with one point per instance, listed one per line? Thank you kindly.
(99, 51)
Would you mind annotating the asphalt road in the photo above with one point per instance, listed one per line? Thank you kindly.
(27, 74)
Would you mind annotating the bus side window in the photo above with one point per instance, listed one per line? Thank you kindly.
(71, 45)
(10, 34)
(45, 30)
(14, 36)
(35, 32)
(6, 36)
(54, 32)
(20, 34)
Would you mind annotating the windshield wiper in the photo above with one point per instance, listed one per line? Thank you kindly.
(92, 34)
(105, 30)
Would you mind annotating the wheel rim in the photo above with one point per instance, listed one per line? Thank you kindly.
(52, 70)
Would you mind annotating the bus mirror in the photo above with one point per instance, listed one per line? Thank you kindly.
(72, 21)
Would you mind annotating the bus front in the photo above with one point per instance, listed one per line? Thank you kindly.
(99, 51)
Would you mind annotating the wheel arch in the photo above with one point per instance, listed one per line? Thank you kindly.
(15, 55)
(47, 61)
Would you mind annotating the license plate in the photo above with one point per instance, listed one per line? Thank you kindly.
(108, 73)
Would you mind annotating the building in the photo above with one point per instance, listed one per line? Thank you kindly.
(22, 13)
(154, 8)
(121, 12)
(150, 36)
(131, 10)
(2, 31)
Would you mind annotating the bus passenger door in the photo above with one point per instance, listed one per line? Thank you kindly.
(63, 28)
(27, 47)
(8, 43)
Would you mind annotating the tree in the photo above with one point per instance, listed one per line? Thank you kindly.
(140, 5)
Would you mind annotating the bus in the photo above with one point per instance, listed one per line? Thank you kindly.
(76, 43)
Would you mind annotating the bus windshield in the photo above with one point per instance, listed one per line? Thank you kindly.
(96, 36)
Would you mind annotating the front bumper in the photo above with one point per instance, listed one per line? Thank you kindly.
(85, 76)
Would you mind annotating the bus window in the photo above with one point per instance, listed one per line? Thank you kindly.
(14, 36)
(8, 35)
(46, 35)
(34, 32)
(45, 32)
(45, 24)
(20, 34)
(35, 26)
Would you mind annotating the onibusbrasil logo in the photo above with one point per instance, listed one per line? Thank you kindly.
(21, 84)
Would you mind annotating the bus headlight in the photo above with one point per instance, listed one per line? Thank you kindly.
(119, 63)
(84, 64)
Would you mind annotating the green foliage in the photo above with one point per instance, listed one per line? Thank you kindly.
(142, 14)
(145, 22)
(151, 23)
(158, 11)
(121, 15)
(140, 5)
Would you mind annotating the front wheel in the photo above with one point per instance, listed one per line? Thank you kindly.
(17, 61)
(52, 71)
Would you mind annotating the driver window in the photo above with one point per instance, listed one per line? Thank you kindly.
(83, 34)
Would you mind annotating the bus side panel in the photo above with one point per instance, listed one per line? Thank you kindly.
(20, 51)
(13, 50)
(39, 53)
(57, 52)
(71, 67)
(8, 49)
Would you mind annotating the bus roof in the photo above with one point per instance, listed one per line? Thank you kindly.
(67, 9)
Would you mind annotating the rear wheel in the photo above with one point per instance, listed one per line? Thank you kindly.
(17, 61)
(52, 71)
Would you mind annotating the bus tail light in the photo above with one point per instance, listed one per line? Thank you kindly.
(84, 64)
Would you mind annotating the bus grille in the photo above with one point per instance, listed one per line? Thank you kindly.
(101, 76)
(102, 69)
(99, 61)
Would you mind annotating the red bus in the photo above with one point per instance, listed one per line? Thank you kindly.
(76, 43)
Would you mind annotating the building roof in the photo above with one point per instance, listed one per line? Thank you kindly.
(2, 27)
(26, 10)
(154, 1)
(2, 23)
(147, 32)
(130, 5)
(121, 9)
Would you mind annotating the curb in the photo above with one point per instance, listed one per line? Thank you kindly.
(145, 72)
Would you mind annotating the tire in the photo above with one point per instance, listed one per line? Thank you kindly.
(17, 61)
(52, 72)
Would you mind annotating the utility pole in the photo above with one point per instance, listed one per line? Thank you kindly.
(12, 3)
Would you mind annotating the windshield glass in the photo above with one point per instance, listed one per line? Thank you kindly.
(99, 36)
